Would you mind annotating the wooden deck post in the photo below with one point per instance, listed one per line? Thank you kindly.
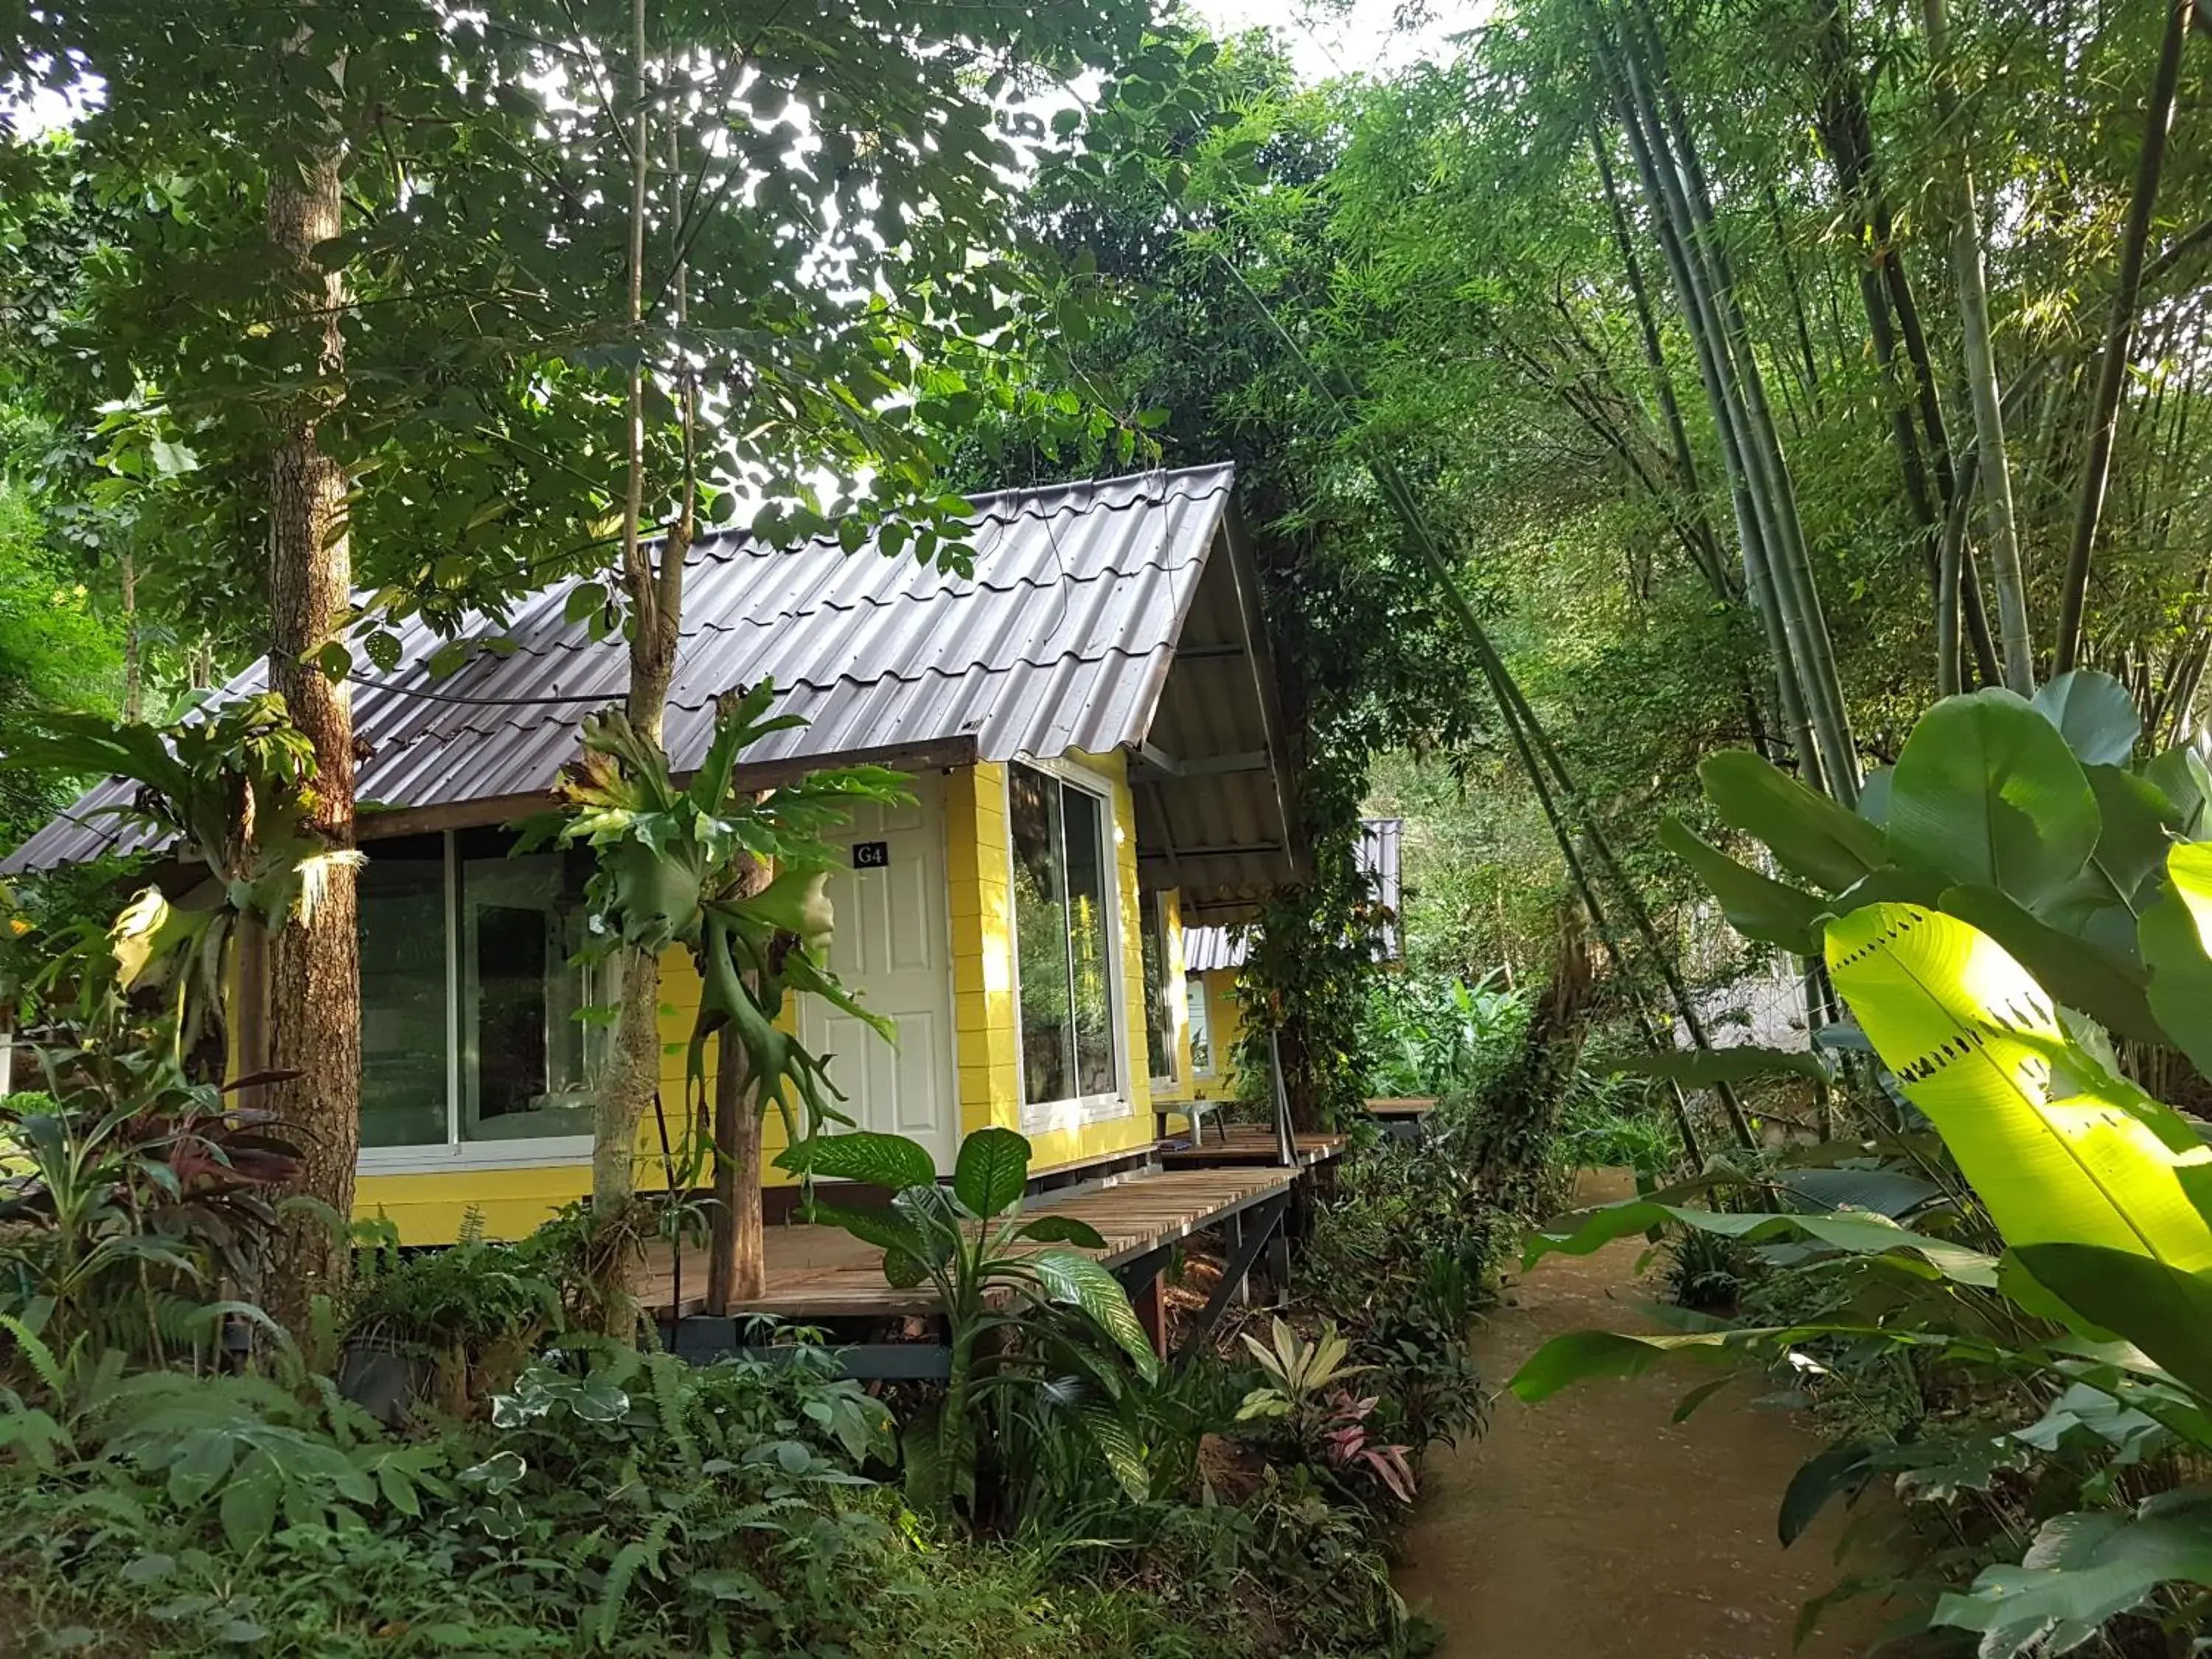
(1152, 1305)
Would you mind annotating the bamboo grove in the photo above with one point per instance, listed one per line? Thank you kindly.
(1761, 373)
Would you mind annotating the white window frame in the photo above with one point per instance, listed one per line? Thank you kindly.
(455, 1153)
(1194, 986)
(1048, 1117)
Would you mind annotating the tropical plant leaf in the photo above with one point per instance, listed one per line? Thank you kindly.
(1079, 1282)
(1856, 1234)
(1757, 905)
(1582, 1354)
(1740, 1063)
(1976, 1045)
(1061, 1230)
(2082, 1571)
(1820, 1478)
(2175, 937)
(1987, 792)
(1884, 1192)
(1810, 836)
(2165, 1312)
(2106, 986)
(2180, 776)
(863, 1155)
(992, 1170)
(1117, 1443)
(2137, 825)
(2093, 713)
(880, 1228)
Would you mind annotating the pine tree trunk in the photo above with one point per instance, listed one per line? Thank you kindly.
(314, 977)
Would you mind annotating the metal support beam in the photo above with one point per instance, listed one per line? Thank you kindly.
(1153, 765)
(1260, 1223)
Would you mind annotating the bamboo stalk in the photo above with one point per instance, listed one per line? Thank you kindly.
(2112, 369)
(1972, 281)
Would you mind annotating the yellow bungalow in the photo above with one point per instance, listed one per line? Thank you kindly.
(1089, 718)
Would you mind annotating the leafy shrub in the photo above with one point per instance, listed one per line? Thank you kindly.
(1429, 1034)
(469, 1317)
(131, 1202)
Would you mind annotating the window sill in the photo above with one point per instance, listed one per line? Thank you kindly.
(449, 1158)
(1055, 1116)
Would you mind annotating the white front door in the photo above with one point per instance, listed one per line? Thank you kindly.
(892, 948)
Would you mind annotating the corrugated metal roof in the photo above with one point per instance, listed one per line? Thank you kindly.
(1207, 947)
(1380, 855)
(1061, 638)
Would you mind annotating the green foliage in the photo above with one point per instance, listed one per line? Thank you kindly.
(675, 867)
(2099, 1196)
(471, 1316)
(1035, 1332)
(232, 791)
(57, 652)
(1432, 1036)
(129, 1199)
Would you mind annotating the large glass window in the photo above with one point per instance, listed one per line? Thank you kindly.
(1160, 1006)
(404, 993)
(1063, 938)
(1201, 1027)
(523, 1047)
(471, 1005)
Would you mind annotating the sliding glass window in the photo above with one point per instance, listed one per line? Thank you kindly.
(473, 1027)
(1063, 937)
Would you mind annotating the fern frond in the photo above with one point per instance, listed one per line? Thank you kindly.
(671, 1396)
(640, 1555)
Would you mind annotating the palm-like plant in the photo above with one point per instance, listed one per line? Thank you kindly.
(1007, 1284)
(681, 864)
(233, 792)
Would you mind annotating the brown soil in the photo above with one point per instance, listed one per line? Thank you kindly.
(1593, 1525)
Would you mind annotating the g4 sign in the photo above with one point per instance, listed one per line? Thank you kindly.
(872, 854)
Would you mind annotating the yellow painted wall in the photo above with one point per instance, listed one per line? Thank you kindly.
(1170, 902)
(979, 870)
(979, 854)
(428, 1208)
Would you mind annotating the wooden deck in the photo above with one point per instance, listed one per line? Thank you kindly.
(1402, 1106)
(824, 1273)
(1243, 1145)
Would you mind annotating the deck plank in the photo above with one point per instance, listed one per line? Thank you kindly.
(1247, 1144)
(824, 1273)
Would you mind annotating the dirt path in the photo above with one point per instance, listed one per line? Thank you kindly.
(1595, 1526)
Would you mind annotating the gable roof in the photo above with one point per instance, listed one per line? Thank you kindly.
(1062, 638)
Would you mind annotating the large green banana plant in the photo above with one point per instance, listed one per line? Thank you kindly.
(2035, 821)
(2103, 1200)
(2017, 890)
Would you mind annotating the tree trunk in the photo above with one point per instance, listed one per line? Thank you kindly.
(1967, 272)
(737, 1264)
(315, 969)
(2112, 369)
(133, 674)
